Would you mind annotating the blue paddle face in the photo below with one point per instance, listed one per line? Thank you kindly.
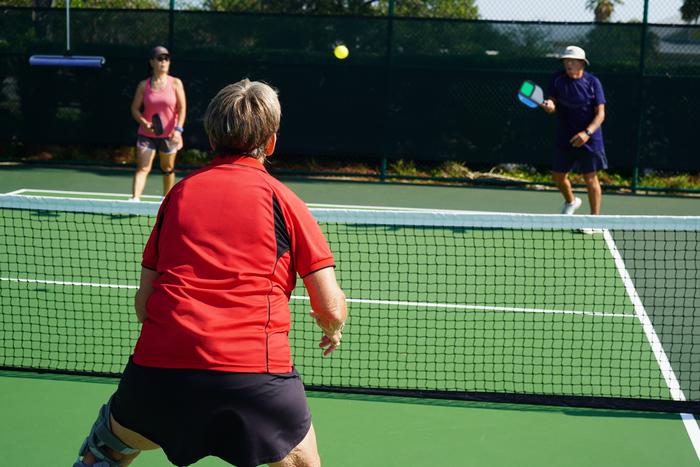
(526, 100)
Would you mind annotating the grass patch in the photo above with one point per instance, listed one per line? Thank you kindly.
(682, 181)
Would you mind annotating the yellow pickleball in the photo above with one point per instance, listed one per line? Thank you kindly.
(341, 52)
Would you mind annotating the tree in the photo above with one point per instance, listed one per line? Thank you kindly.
(127, 4)
(690, 10)
(32, 3)
(602, 9)
(462, 9)
(321, 7)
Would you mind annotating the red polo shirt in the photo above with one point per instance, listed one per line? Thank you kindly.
(228, 243)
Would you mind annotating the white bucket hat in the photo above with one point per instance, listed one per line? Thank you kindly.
(573, 51)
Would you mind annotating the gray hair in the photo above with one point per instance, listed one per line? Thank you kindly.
(242, 117)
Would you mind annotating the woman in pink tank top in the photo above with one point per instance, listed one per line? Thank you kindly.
(161, 123)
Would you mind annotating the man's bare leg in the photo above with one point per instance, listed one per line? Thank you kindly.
(304, 455)
(128, 437)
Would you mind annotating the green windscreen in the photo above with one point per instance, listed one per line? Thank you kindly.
(479, 65)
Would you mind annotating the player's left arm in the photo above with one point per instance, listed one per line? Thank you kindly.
(549, 105)
(181, 107)
(582, 137)
(598, 119)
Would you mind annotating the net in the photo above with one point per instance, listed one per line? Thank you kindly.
(574, 310)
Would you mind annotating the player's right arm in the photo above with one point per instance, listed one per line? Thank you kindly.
(145, 291)
(328, 305)
(136, 104)
(549, 105)
(313, 260)
(149, 264)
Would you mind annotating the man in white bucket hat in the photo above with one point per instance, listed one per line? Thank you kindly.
(577, 97)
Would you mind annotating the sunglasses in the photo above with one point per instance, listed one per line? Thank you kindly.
(163, 58)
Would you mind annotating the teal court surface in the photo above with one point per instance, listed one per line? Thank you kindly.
(435, 305)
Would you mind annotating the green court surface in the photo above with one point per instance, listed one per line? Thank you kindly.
(352, 431)
(118, 181)
(509, 331)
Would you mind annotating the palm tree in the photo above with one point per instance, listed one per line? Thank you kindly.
(602, 9)
(690, 10)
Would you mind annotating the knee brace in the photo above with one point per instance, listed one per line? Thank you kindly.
(100, 438)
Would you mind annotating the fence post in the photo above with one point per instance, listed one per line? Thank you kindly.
(171, 25)
(387, 85)
(390, 28)
(382, 170)
(641, 98)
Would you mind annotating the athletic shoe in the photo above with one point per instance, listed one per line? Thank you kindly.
(570, 208)
(134, 200)
(79, 463)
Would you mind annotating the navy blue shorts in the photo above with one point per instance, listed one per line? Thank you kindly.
(246, 419)
(579, 159)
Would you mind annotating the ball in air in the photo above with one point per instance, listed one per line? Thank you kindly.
(341, 52)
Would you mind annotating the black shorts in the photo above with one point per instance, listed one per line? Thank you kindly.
(246, 419)
(162, 145)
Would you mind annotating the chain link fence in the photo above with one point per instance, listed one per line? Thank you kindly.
(413, 87)
(626, 11)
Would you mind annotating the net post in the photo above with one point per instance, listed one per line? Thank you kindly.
(382, 170)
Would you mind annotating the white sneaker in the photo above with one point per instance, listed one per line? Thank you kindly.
(588, 231)
(570, 208)
(134, 199)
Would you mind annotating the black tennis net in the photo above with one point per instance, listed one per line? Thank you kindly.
(573, 310)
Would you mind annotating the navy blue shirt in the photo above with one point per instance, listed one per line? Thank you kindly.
(576, 100)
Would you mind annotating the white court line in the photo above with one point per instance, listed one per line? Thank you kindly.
(691, 426)
(478, 307)
(380, 208)
(672, 382)
(311, 205)
(406, 304)
(64, 192)
(74, 284)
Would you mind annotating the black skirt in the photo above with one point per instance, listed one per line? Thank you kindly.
(246, 419)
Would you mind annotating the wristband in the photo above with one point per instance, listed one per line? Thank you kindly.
(589, 133)
(180, 129)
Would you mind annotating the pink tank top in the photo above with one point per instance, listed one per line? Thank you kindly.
(162, 102)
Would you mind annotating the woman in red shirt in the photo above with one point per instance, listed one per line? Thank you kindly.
(161, 124)
(212, 370)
